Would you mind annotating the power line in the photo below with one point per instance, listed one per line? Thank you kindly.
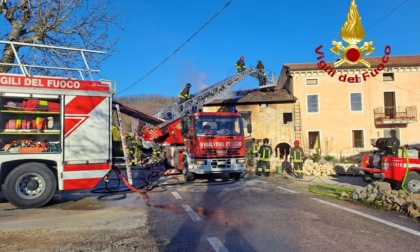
(389, 13)
(176, 50)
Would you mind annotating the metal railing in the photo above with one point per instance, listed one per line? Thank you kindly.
(395, 114)
(22, 60)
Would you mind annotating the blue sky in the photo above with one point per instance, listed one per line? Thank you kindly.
(276, 32)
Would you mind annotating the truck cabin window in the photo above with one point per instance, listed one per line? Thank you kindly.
(227, 126)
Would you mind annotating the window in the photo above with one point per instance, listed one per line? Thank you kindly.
(311, 81)
(388, 76)
(313, 138)
(356, 102)
(312, 103)
(287, 117)
(357, 136)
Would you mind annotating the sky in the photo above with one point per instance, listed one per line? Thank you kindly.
(165, 44)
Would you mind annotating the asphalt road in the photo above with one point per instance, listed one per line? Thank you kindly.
(277, 213)
(274, 214)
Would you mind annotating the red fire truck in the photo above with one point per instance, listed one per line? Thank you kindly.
(55, 133)
(202, 143)
(399, 167)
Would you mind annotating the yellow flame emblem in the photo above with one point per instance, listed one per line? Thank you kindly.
(352, 32)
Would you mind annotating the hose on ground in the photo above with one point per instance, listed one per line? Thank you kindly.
(332, 191)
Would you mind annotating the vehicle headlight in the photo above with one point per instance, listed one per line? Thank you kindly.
(240, 161)
(200, 162)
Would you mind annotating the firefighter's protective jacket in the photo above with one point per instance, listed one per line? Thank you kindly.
(254, 149)
(265, 152)
(185, 93)
(297, 154)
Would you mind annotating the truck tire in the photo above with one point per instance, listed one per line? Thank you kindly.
(412, 182)
(188, 176)
(30, 185)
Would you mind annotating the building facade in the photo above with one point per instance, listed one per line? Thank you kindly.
(338, 111)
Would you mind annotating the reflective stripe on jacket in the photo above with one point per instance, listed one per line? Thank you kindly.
(265, 153)
(297, 154)
(254, 148)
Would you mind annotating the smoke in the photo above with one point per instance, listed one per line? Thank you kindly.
(190, 74)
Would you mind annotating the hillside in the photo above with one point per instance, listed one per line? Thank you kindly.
(144, 103)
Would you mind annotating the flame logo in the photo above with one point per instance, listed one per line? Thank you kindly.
(352, 32)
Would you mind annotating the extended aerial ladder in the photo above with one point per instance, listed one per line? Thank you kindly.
(175, 110)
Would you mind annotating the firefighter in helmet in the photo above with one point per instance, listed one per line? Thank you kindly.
(265, 152)
(262, 77)
(296, 158)
(254, 151)
(240, 64)
(184, 94)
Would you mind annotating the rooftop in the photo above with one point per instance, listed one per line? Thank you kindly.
(251, 96)
(393, 61)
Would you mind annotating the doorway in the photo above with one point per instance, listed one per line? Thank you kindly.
(389, 104)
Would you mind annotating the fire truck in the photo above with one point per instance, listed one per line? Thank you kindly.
(55, 133)
(201, 143)
(398, 166)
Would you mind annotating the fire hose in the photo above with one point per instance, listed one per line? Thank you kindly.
(335, 192)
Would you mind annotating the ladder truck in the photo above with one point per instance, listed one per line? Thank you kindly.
(199, 143)
(55, 132)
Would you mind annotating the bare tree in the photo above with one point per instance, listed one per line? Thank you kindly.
(68, 23)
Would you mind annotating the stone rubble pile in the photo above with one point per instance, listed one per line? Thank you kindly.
(311, 168)
(381, 195)
(320, 168)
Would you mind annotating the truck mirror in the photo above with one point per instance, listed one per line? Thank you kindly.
(249, 128)
(184, 128)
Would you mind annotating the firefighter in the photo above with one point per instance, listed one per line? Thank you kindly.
(185, 93)
(296, 157)
(157, 151)
(265, 152)
(254, 151)
(262, 77)
(240, 64)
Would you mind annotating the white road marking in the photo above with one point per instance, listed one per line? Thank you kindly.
(191, 213)
(217, 244)
(411, 231)
(287, 189)
(176, 195)
(260, 181)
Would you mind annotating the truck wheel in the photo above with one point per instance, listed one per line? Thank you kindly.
(188, 176)
(412, 182)
(30, 185)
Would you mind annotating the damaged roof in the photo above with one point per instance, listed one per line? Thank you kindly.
(252, 96)
(393, 61)
(137, 114)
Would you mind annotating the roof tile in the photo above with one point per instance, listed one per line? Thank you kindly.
(393, 61)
